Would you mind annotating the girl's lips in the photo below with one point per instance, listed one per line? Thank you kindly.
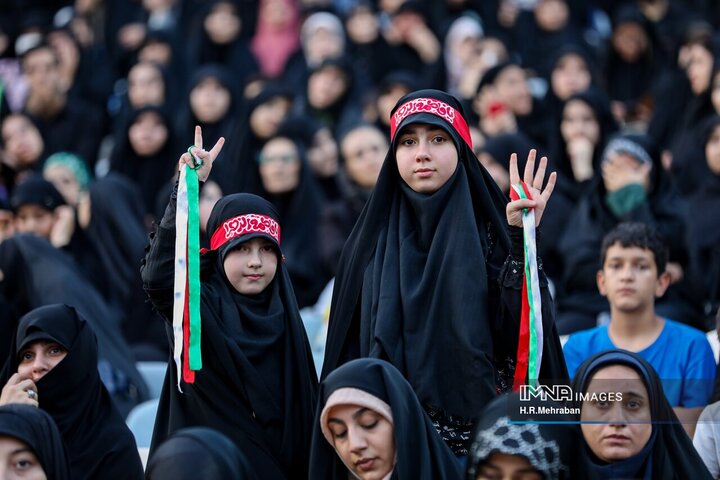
(365, 464)
(253, 277)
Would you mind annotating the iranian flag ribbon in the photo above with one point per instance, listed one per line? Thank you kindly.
(530, 338)
(186, 301)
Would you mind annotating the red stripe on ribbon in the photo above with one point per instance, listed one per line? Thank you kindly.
(433, 107)
(188, 375)
(523, 352)
(243, 225)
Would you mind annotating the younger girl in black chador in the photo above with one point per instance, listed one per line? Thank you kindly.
(430, 278)
(54, 367)
(258, 382)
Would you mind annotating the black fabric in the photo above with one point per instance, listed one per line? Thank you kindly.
(664, 210)
(118, 238)
(224, 126)
(99, 444)
(420, 452)
(38, 431)
(419, 284)
(549, 442)
(37, 274)
(201, 453)
(703, 217)
(237, 171)
(149, 173)
(258, 381)
(672, 453)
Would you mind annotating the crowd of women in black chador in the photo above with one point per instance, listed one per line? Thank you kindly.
(287, 84)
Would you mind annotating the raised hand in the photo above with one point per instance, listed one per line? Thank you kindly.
(534, 181)
(207, 157)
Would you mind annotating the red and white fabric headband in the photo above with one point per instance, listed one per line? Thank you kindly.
(243, 225)
(433, 107)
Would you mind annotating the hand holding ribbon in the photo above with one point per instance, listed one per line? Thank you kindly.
(534, 181)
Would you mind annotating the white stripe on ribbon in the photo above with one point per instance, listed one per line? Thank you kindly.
(531, 249)
(181, 228)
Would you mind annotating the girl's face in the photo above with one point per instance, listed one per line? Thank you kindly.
(630, 41)
(145, 86)
(364, 151)
(251, 266)
(39, 358)
(23, 142)
(323, 154)
(222, 24)
(279, 166)
(699, 68)
(364, 440)
(715, 94)
(325, 87)
(426, 157)
(65, 181)
(148, 134)
(621, 406)
(578, 121)
(712, 151)
(209, 100)
(513, 90)
(267, 117)
(18, 461)
(209, 195)
(570, 76)
(500, 466)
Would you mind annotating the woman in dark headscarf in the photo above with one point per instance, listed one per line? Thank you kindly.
(98, 442)
(543, 447)
(219, 39)
(212, 103)
(292, 189)
(199, 452)
(263, 114)
(258, 381)
(35, 274)
(144, 153)
(37, 432)
(703, 219)
(367, 403)
(637, 436)
(426, 281)
(630, 185)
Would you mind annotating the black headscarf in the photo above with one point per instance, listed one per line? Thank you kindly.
(419, 450)
(237, 171)
(98, 442)
(669, 453)
(38, 431)
(37, 274)
(417, 281)
(118, 237)
(258, 380)
(149, 173)
(224, 126)
(550, 443)
(199, 452)
(299, 214)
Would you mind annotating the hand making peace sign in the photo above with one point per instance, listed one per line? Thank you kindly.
(534, 182)
(207, 157)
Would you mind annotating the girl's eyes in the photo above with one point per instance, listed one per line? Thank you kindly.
(342, 434)
(26, 356)
(370, 426)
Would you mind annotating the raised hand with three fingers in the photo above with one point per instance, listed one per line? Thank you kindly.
(534, 181)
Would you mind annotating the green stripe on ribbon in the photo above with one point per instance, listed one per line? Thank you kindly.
(194, 268)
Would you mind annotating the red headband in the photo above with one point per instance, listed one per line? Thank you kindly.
(242, 225)
(433, 107)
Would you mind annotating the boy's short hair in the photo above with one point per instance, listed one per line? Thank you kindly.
(36, 191)
(636, 234)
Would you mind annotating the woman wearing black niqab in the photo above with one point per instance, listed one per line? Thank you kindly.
(669, 453)
(376, 385)
(199, 452)
(98, 442)
(258, 381)
(36, 429)
(425, 281)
